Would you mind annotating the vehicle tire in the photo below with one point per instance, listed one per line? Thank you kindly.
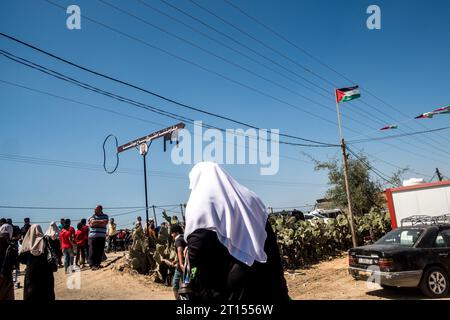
(435, 283)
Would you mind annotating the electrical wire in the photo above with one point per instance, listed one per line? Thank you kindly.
(371, 168)
(304, 51)
(294, 92)
(22, 42)
(147, 91)
(396, 136)
(84, 85)
(114, 112)
(164, 174)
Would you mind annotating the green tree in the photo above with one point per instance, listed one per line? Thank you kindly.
(365, 192)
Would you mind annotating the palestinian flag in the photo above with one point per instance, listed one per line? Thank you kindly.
(442, 110)
(430, 114)
(347, 94)
(425, 115)
(389, 127)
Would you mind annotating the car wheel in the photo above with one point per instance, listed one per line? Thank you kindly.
(435, 283)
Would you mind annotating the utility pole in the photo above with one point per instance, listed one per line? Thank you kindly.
(182, 213)
(143, 149)
(143, 144)
(347, 186)
(154, 215)
(439, 174)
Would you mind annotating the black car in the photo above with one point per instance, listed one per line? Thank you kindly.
(410, 256)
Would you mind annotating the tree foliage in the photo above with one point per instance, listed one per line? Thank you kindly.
(366, 192)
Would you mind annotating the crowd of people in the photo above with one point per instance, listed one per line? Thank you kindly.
(224, 250)
(60, 246)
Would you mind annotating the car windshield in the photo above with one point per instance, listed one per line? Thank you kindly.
(401, 237)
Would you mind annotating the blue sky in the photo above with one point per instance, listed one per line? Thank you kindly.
(405, 64)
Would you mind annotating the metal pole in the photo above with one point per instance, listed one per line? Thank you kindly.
(182, 213)
(146, 198)
(154, 215)
(347, 186)
(439, 175)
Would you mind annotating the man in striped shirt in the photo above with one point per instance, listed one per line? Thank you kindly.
(97, 237)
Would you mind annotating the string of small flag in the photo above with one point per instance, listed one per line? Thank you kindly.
(352, 93)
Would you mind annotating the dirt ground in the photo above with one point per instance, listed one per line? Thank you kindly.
(106, 284)
(328, 280)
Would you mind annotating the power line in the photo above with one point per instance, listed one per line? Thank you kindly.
(165, 174)
(225, 59)
(259, 54)
(371, 168)
(242, 44)
(34, 90)
(86, 86)
(287, 40)
(65, 208)
(397, 135)
(208, 70)
(227, 46)
(228, 61)
(185, 60)
(262, 43)
(304, 51)
(393, 165)
(87, 208)
(133, 39)
(155, 94)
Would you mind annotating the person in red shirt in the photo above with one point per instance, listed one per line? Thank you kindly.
(67, 237)
(81, 242)
(85, 230)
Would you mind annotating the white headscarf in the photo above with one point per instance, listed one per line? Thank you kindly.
(219, 203)
(7, 229)
(33, 241)
(53, 231)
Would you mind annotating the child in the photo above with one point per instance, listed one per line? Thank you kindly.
(80, 241)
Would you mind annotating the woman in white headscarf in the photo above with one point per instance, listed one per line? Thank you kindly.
(232, 248)
(52, 233)
(40, 259)
(6, 261)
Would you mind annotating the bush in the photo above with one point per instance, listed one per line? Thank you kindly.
(302, 243)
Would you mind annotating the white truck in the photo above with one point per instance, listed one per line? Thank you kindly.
(429, 199)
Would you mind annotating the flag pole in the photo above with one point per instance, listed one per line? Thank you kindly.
(347, 186)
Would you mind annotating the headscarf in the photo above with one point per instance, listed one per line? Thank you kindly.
(33, 241)
(6, 229)
(219, 203)
(53, 231)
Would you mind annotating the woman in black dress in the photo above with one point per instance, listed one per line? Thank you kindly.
(232, 249)
(54, 241)
(8, 255)
(41, 262)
